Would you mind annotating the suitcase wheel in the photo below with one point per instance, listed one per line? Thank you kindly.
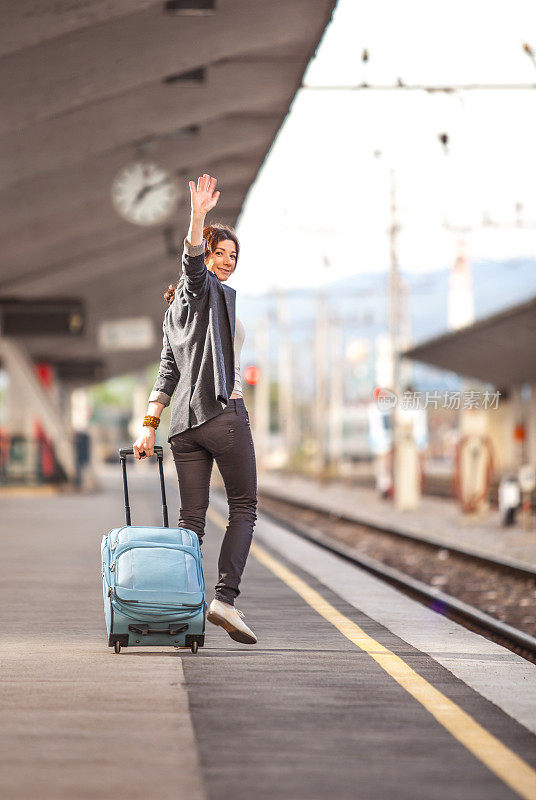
(117, 647)
(195, 647)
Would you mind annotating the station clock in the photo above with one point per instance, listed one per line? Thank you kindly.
(144, 193)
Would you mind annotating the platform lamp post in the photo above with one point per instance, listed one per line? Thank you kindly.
(405, 468)
(394, 286)
(287, 423)
(261, 394)
(321, 370)
(336, 392)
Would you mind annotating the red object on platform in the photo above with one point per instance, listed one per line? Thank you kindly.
(519, 433)
(252, 375)
(45, 451)
(45, 374)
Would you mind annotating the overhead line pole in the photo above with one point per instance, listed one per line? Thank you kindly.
(394, 287)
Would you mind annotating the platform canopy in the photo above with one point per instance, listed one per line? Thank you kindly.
(499, 349)
(88, 87)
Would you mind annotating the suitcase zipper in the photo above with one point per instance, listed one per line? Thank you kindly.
(159, 605)
(139, 611)
(113, 545)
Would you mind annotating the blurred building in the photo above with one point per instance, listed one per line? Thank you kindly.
(497, 351)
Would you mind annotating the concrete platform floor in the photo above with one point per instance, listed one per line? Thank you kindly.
(314, 710)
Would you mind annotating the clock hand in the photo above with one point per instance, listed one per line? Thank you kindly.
(159, 183)
(148, 188)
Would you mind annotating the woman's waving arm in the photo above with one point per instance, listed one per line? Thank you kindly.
(203, 198)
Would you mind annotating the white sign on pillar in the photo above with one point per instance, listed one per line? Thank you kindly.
(527, 478)
(134, 333)
(81, 409)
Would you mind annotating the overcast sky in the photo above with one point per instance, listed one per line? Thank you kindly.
(323, 193)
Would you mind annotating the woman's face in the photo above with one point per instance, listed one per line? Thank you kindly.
(223, 260)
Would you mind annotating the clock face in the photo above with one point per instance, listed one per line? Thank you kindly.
(144, 193)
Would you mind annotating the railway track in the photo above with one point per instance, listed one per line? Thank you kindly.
(334, 534)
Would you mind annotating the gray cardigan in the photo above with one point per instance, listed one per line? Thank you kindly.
(197, 358)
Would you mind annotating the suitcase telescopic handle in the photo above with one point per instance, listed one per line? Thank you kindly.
(159, 452)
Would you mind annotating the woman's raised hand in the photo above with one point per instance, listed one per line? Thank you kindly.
(203, 198)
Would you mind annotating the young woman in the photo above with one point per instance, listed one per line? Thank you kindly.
(200, 363)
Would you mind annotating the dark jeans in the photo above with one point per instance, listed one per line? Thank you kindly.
(226, 438)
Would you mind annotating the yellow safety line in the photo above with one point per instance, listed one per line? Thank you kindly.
(498, 758)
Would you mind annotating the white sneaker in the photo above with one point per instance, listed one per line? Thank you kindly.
(231, 620)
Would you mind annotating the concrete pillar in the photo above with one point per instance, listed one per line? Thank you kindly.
(500, 424)
(531, 426)
(81, 411)
(519, 419)
(407, 482)
(18, 420)
(321, 403)
(336, 391)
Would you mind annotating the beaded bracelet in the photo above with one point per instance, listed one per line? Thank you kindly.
(151, 422)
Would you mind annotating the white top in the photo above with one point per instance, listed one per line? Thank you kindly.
(240, 335)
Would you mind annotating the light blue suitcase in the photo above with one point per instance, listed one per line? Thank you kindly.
(152, 580)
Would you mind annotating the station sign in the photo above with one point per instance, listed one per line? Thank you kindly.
(132, 333)
(41, 317)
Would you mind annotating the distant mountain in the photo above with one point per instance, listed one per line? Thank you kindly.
(496, 285)
(361, 301)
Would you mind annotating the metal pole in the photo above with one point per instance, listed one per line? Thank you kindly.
(394, 287)
(286, 412)
(336, 391)
(320, 367)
